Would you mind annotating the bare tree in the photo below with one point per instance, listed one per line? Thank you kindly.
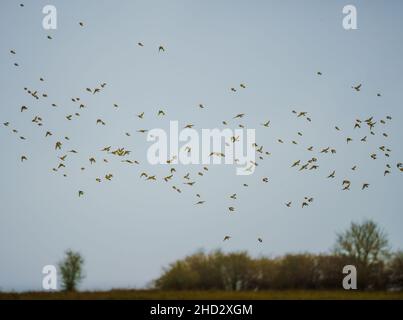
(367, 243)
(71, 269)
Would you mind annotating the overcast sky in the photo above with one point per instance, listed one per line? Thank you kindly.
(129, 229)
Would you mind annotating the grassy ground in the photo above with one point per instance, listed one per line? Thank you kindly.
(205, 295)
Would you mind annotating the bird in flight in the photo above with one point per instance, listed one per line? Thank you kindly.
(346, 185)
(239, 116)
(357, 87)
(167, 178)
(266, 124)
(332, 175)
(226, 238)
(58, 145)
(296, 163)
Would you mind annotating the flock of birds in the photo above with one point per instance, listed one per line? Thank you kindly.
(122, 154)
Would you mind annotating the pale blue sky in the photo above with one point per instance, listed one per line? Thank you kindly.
(127, 229)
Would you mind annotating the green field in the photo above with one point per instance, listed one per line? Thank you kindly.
(206, 295)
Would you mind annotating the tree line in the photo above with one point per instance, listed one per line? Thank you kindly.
(364, 245)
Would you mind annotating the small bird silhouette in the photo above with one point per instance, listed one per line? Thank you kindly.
(58, 145)
(266, 124)
(332, 175)
(239, 116)
(167, 178)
